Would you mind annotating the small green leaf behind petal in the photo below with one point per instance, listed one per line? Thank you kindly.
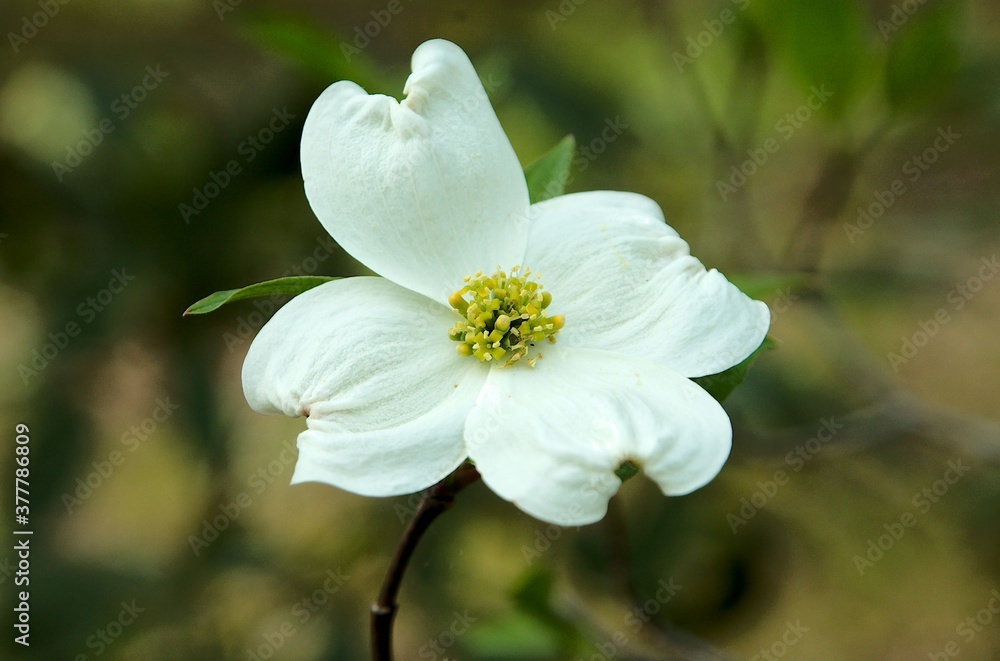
(279, 287)
(626, 470)
(764, 285)
(314, 49)
(513, 635)
(722, 384)
(548, 175)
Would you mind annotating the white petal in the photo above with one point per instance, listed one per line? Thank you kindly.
(626, 283)
(386, 462)
(550, 438)
(422, 192)
(371, 364)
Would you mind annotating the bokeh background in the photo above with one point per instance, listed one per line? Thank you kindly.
(857, 517)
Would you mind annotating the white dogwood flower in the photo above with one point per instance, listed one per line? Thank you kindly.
(451, 354)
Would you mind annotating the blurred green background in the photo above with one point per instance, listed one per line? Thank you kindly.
(836, 158)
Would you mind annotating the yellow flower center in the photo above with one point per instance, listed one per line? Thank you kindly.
(502, 316)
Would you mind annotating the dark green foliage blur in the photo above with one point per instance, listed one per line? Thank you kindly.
(835, 158)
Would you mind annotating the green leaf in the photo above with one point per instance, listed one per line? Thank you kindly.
(280, 287)
(512, 636)
(764, 285)
(722, 384)
(923, 58)
(533, 591)
(548, 175)
(532, 594)
(825, 44)
(313, 49)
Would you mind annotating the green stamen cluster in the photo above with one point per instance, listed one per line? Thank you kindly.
(504, 317)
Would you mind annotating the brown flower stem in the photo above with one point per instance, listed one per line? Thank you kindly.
(436, 501)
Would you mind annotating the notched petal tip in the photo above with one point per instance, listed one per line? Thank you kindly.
(436, 63)
(415, 189)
